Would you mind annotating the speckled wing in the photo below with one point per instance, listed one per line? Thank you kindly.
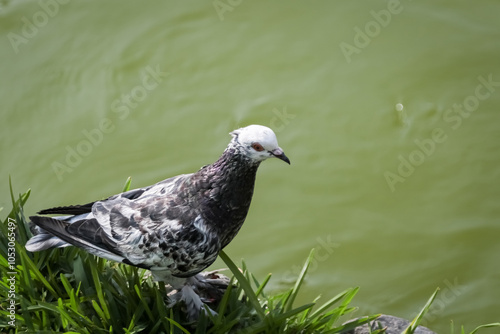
(158, 227)
(161, 228)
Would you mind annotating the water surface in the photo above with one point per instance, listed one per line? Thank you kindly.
(385, 112)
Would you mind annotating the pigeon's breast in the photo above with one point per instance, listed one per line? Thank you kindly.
(227, 195)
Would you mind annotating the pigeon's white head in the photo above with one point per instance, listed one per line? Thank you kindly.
(258, 143)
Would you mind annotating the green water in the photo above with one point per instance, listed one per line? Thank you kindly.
(388, 111)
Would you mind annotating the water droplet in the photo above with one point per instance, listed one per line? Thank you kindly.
(402, 117)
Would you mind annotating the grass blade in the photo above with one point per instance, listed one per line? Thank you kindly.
(176, 324)
(289, 301)
(126, 187)
(100, 294)
(328, 304)
(415, 322)
(244, 284)
(263, 285)
(496, 324)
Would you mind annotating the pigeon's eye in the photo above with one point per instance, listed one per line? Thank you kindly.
(258, 147)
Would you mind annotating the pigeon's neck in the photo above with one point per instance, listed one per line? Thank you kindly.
(231, 182)
(234, 174)
(233, 160)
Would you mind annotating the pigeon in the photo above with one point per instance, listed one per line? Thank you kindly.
(174, 228)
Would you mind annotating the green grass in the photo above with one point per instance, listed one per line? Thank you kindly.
(420, 316)
(70, 291)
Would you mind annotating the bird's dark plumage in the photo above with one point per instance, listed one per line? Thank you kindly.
(176, 227)
(68, 210)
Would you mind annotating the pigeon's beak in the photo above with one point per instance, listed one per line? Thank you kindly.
(278, 153)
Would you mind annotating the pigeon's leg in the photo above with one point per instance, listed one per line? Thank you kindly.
(203, 288)
(183, 290)
(210, 286)
(193, 302)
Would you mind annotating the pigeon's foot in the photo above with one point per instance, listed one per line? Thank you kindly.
(203, 288)
(210, 286)
(192, 302)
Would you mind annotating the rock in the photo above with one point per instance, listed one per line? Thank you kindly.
(393, 325)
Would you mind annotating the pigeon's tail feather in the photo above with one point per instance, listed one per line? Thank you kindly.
(43, 240)
(68, 210)
(85, 234)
